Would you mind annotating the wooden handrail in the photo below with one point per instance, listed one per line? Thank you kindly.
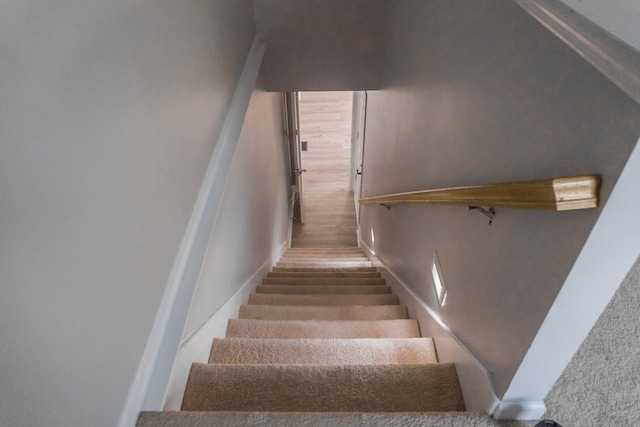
(560, 194)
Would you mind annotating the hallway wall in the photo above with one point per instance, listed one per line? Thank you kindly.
(109, 112)
(480, 93)
(322, 44)
(253, 219)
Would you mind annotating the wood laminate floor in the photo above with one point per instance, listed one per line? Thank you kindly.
(330, 216)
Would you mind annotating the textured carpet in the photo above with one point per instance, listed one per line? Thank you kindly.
(601, 384)
(274, 299)
(409, 351)
(313, 346)
(323, 289)
(314, 419)
(283, 388)
(342, 312)
(398, 328)
(325, 274)
(352, 281)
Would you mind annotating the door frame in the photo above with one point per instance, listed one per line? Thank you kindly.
(292, 112)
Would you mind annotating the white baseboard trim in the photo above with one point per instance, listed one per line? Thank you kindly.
(150, 382)
(195, 348)
(525, 410)
(475, 378)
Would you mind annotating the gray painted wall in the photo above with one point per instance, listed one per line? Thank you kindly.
(322, 44)
(254, 214)
(109, 112)
(478, 93)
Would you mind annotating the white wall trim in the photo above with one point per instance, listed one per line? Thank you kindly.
(521, 410)
(148, 387)
(606, 258)
(618, 61)
(474, 375)
(196, 346)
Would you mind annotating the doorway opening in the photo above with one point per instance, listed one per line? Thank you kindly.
(327, 216)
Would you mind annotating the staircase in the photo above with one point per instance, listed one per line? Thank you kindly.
(321, 339)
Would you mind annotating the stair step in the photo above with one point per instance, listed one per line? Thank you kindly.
(323, 289)
(338, 312)
(389, 351)
(320, 255)
(277, 299)
(325, 250)
(351, 281)
(323, 259)
(324, 264)
(278, 269)
(314, 419)
(325, 274)
(326, 258)
(249, 328)
(319, 388)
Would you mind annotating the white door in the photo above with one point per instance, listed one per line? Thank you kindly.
(293, 127)
(359, 122)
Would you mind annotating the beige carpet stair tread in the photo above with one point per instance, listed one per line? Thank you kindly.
(325, 274)
(397, 328)
(324, 259)
(316, 419)
(277, 299)
(323, 264)
(323, 255)
(325, 250)
(323, 289)
(362, 388)
(389, 351)
(312, 258)
(324, 269)
(344, 312)
(323, 281)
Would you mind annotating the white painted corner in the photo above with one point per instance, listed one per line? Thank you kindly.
(524, 410)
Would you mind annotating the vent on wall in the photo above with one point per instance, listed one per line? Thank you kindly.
(438, 282)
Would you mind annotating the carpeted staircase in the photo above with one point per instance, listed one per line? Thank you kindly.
(321, 342)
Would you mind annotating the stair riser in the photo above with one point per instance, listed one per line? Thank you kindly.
(324, 255)
(315, 419)
(324, 275)
(323, 300)
(277, 269)
(406, 351)
(335, 388)
(324, 260)
(322, 290)
(331, 264)
(354, 312)
(322, 281)
(405, 328)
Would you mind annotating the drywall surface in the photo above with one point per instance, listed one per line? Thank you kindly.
(479, 93)
(619, 17)
(322, 44)
(253, 219)
(109, 114)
